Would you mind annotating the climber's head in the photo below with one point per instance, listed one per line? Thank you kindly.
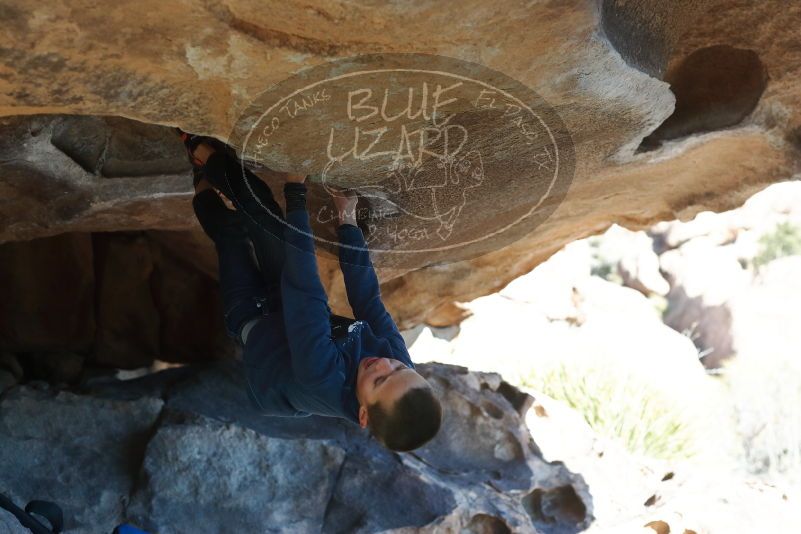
(396, 403)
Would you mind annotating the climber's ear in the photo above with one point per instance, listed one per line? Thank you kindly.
(363, 419)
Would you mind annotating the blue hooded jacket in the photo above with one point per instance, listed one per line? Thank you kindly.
(294, 366)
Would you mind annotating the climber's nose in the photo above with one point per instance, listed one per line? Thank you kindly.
(383, 365)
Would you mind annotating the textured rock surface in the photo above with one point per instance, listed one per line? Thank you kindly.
(118, 299)
(9, 525)
(58, 294)
(602, 65)
(74, 450)
(53, 177)
(249, 480)
(202, 460)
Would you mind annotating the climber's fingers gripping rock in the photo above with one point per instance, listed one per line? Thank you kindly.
(296, 178)
(345, 201)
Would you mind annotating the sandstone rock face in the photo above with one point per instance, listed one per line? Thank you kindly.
(617, 73)
(203, 461)
(56, 176)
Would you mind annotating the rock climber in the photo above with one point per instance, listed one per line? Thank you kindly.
(299, 358)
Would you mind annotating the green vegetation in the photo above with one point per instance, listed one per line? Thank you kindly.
(619, 407)
(603, 266)
(784, 240)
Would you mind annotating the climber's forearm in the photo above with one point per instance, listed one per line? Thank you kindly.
(305, 304)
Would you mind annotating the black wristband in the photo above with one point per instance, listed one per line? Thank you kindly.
(295, 195)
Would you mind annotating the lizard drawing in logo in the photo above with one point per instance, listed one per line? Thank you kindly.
(432, 188)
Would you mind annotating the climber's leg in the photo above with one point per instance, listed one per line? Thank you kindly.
(242, 288)
(264, 219)
(260, 212)
(247, 192)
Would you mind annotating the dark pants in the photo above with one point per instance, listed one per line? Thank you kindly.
(249, 288)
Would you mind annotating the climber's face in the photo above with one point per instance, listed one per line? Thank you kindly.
(384, 380)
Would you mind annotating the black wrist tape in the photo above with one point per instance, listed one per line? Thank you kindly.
(295, 195)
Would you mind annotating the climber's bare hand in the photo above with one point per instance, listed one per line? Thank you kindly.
(345, 201)
(296, 178)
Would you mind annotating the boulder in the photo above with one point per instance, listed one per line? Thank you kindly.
(80, 452)
(204, 460)
(10, 371)
(595, 343)
(704, 280)
(448, 314)
(637, 263)
(719, 295)
(153, 303)
(10, 364)
(10, 525)
(764, 380)
(713, 229)
(765, 318)
(119, 298)
(207, 476)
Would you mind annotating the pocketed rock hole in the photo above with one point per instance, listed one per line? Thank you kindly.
(492, 410)
(520, 400)
(486, 524)
(556, 510)
(715, 87)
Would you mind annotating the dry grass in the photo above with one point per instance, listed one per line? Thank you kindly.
(766, 399)
(619, 406)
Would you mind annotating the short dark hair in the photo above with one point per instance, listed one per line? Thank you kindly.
(411, 422)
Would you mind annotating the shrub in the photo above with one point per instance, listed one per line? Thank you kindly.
(603, 265)
(784, 240)
(619, 406)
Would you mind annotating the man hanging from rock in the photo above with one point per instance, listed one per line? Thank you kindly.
(299, 358)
